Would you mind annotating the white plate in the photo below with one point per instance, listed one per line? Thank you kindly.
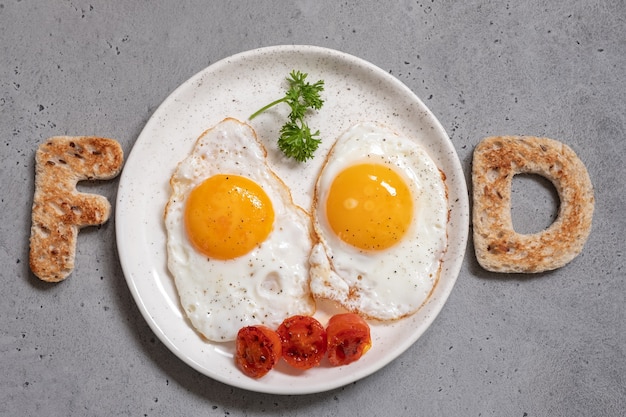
(355, 91)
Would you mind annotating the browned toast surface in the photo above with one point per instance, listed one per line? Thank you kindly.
(59, 210)
(498, 247)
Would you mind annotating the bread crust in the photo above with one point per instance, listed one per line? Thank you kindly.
(59, 210)
(498, 247)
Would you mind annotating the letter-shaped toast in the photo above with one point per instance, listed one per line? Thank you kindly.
(59, 210)
(498, 247)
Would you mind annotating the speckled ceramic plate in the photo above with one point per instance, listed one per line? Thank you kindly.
(355, 91)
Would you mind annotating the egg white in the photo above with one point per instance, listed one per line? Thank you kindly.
(262, 287)
(392, 283)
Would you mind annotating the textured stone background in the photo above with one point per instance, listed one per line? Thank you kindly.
(544, 345)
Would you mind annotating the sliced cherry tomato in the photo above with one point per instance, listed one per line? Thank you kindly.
(348, 338)
(304, 341)
(258, 348)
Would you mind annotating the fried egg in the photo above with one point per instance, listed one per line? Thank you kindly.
(380, 213)
(237, 245)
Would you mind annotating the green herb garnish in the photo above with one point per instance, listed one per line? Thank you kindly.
(296, 139)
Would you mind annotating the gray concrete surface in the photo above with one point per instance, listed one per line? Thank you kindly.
(552, 344)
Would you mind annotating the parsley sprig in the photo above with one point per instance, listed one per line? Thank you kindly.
(296, 139)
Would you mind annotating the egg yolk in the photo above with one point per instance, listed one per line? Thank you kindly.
(227, 216)
(369, 206)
